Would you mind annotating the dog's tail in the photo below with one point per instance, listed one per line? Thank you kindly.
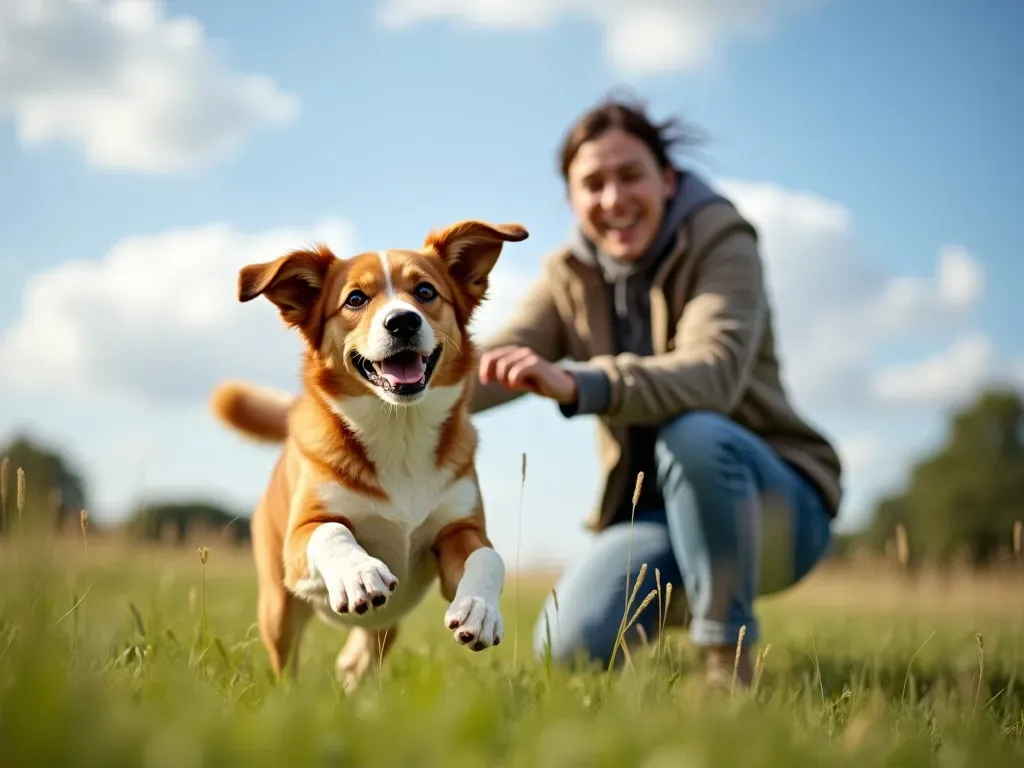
(256, 412)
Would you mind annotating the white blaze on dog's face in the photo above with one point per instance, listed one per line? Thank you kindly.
(392, 322)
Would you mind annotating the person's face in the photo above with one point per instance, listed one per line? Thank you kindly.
(617, 191)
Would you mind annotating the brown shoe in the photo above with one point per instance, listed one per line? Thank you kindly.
(720, 663)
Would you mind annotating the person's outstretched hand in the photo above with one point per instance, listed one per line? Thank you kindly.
(522, 369)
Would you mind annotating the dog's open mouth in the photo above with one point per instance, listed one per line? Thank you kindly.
(405, 373)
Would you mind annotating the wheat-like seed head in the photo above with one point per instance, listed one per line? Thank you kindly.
(644, 603)
(639, 485)
(5, 467)
(204, 553)
(739, 653)
(761, 656)
(902, 547)
(523, 468)
(981, 641)
(636, 585)
(1018, 538)
(21, 490)
(84, 518)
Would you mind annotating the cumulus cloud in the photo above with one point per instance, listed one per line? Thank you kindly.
(132, 88)
(157, 318)
(508, 286)
(860, 453)
(948, 377)
(835, 309)
(641, 36)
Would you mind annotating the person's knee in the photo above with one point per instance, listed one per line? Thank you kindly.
(695, 442)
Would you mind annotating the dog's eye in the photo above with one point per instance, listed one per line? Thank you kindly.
(356, 299)
(425, 292)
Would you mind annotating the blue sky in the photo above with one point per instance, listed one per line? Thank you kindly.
(865, 139)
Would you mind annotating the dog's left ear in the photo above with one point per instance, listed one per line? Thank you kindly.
(470, 249)
(294, 283)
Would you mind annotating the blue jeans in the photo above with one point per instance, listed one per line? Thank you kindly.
(739, 522)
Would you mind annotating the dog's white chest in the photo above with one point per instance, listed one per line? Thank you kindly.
(421, 498)
(400, 532)
(408, 509)
(402, 444)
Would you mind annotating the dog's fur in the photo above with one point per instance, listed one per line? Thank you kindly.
(374, 493)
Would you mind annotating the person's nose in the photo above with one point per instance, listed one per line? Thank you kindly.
(611, 196)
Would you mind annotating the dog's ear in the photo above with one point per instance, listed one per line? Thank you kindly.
(294, 283)
(469, 250)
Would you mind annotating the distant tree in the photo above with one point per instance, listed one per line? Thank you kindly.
(55, 493)
(963, 500)
(182, 521)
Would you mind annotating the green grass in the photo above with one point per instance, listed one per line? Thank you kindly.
(862, 670)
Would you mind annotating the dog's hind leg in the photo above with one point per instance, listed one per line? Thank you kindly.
(363, 652)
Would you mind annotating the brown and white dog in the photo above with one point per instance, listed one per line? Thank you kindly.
(374, 494)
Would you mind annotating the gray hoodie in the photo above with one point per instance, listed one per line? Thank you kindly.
(629, 286)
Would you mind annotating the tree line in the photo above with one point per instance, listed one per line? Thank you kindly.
(42, 492)
(963, 503)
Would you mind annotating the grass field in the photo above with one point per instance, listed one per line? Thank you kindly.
(113, 656)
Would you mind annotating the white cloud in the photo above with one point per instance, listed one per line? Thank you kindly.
(835, 311)
(860, 453)
(507, 288)
(961, 282)
(641, 36)
(132, 88)
(948, 377)
(157, 317)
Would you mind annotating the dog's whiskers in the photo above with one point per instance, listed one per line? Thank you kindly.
(450, 340)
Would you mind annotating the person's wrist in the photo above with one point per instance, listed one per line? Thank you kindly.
(570, 392)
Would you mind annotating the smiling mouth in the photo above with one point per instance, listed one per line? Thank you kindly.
(404, 373)
(621, 223)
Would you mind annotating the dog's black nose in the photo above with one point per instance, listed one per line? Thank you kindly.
(403, 324)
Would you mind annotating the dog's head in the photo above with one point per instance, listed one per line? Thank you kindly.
(394, 322)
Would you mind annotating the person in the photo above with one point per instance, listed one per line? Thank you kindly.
(654, 319)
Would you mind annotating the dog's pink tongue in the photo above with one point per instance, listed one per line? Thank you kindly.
(403, 370)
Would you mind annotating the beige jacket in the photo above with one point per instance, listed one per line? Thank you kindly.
(713, 350)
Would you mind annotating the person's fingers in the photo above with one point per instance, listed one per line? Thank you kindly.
(504, 364)
(489, 360)
(526, 374)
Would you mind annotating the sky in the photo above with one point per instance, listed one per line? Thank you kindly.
(149, 150)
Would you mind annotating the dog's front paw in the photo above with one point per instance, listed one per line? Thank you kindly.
(474, 622)
(358, 582)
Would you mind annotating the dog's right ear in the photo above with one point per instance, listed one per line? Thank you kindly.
(469, 251)
(294, 283)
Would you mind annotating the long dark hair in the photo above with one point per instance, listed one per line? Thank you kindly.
(630, 114)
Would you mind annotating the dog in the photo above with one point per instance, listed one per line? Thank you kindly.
(374, 494)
